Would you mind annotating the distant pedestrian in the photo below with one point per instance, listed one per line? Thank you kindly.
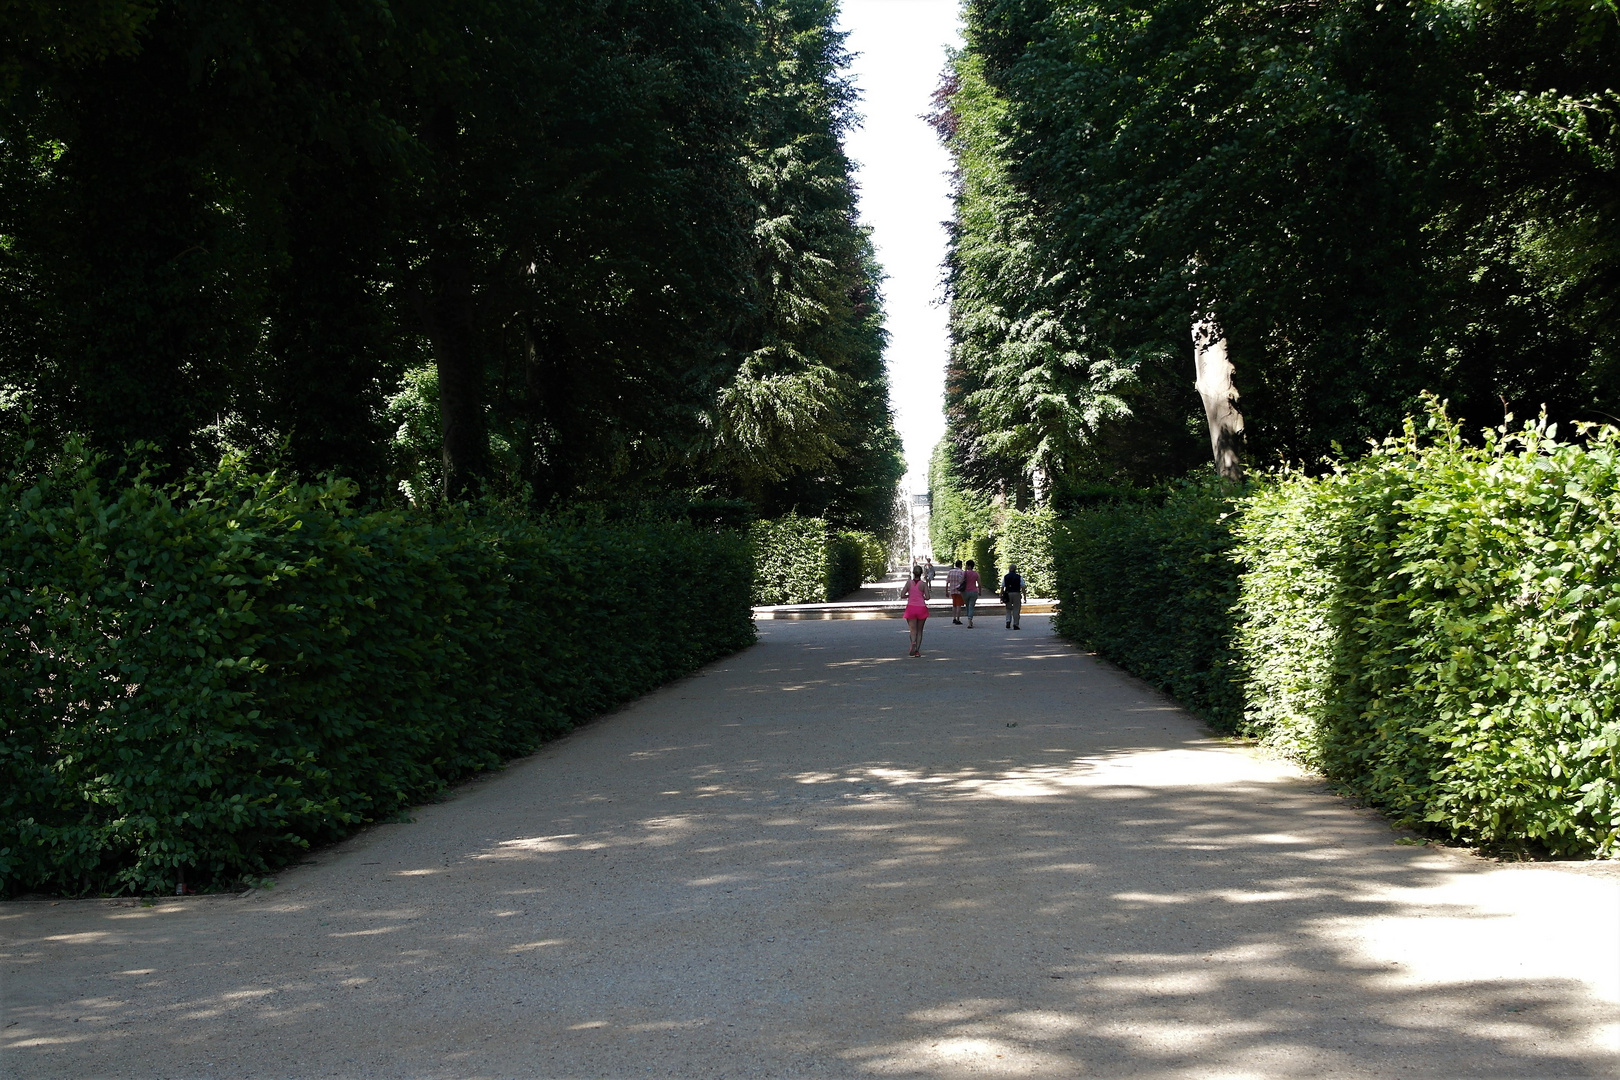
(928, 571)
(970, 591)
(915, 594)
(1012, 595)
(953, 585)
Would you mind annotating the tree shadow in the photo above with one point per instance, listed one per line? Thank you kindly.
(871, 875)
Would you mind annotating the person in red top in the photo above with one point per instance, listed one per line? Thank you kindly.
(970, 591)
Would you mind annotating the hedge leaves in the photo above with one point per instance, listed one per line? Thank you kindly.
(205, 680)
(1435, 626)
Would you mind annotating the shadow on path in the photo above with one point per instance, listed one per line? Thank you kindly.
(823, 858)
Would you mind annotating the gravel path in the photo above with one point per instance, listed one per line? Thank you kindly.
(820, 858)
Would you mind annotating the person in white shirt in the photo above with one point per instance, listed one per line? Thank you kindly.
(953, 585)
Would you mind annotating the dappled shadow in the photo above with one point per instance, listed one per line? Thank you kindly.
(874, 875)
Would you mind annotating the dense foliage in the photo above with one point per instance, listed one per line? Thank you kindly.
(1438, 627)
(1433, 625)
(557, 248)
(568, 291)
(800, 560)
(846, 564)
(202, 680)
(1025, 541)
(958, 513)
(1360, 204)
(1371, 200)
(1149, 583)
(873, 554)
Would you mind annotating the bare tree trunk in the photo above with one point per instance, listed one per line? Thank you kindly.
(1220, 396)
(461, 375)
(449, 319)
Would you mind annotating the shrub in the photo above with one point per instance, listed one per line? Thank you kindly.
(874, 556)
(983, 554)
(1150, 585)
(207, 679)
(1026, 542)
(846, 564)
(1435, 626)
(798, 560)
(860, 557)
(790, 560)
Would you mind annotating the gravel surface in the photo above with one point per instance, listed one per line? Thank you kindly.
(820, 858)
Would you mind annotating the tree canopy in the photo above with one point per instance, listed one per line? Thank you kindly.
(1374, 199)
(582, 250)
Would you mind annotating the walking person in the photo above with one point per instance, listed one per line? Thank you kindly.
(953, 585)
(1012, 595)
(970, 591)
(928, 570)
(916, 596)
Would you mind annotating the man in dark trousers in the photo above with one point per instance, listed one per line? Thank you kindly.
(1012, 595)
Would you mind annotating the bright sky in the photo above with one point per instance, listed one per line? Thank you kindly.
(899, 48)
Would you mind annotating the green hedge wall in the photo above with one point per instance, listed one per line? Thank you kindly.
(849, 557)
(1437, 626)
(798, 560)
(982, 551)
(1025, 541)
(1434, 626)
(204, 681)
(790, 560)
(1150, 585)
(874, 556)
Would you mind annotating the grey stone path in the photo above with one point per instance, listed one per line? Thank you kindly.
(820, 858)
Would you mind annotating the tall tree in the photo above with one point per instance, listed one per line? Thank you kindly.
(619, 235)
(805, 424)
(1343, 189)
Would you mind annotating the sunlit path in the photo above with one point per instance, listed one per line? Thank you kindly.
(822, 858)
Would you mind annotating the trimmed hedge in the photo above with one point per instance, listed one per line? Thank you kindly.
(797, 560)
(1025, 541)
(983, 553)
(874, 556)
(1437, 627)
(1150, 585)
(1434, 626)
(206, 680)
(790, 560)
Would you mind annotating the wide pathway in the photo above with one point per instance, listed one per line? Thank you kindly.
(820, 858)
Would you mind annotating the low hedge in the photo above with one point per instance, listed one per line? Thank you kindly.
(1025, 541)
(1149, 584)
(799, 560)
(202, 681)
(1434, 626)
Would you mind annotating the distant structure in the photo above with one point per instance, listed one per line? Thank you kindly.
(921, 506)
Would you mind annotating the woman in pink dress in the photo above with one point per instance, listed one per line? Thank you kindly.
(916, 597)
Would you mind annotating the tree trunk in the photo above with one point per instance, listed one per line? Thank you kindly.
(1214, 372)
(461, 374)
(449, 318)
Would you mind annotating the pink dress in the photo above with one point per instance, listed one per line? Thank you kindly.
(916, 606)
